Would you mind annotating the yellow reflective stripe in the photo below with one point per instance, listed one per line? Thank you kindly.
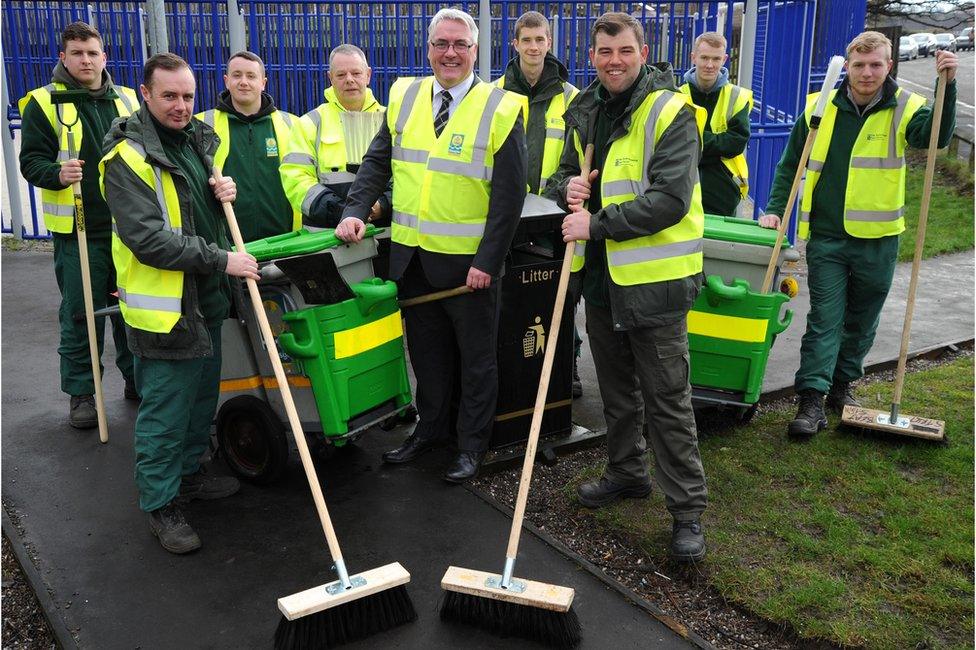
(730, 328)
(298, 158)
(654, 252)
(443, 229)
(256, 381)
(330, 178)
(366, 337)
(406, 107)
(410, 155)
(58, 210)
(874, 215)
(866, 162)
(154, 303)
(404, 219)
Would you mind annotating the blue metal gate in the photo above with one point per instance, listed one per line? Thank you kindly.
(294, 38)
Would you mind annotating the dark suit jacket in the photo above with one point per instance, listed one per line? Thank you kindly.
(508, 191)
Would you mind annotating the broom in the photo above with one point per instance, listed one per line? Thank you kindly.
(833, 73)
(891, 421)
(350, 608)
(75, 97)
(503, 604)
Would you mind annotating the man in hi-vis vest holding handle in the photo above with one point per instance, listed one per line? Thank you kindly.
(455, 148)
(852, 211)
(45, 163)
(170, 248)
(638, 217)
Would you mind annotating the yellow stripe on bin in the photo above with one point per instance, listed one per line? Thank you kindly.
(731, 328)
(366, 337)
(256, 381)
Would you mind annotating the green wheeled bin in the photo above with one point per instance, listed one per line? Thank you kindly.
(731, 330)
(352, 351)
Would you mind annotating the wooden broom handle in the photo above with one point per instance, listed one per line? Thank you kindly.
(540, 397)
(923, 216)
(86, 286)
(784, 219)
(437, 295)
(296, 425)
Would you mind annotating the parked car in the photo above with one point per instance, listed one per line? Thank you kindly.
(907, 49)
(945, 42)
(965, 39)
(926, 43)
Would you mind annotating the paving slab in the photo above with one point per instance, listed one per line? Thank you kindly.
(74, 503)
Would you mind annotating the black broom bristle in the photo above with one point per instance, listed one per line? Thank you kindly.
(351, 621)
(556, 629)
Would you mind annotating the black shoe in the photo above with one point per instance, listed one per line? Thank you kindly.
(130, 392)
(207, 486)
(603, 492)
(413, 447)
(83, 414)
(577, 382)
(810, 417)
(841, 394)
(465, 467)
(687, 541)
(169, 526)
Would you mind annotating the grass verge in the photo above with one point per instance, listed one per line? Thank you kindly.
(857, 538)
(950, 223)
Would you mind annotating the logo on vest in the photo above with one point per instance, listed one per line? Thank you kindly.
(877, 136)
(625, 161)
(457, 141)
(271, 146)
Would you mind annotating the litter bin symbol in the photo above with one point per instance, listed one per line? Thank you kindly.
(534, 341)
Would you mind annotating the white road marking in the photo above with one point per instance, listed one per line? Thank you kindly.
(928, 89)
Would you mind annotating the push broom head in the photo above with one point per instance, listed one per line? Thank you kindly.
(531, 610)
(328, 615)
(903, 425)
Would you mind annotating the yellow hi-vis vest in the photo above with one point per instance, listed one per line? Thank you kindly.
(674, 252)
(317, 154)
(282, 123)
(731, 100)
(441, 185)
(150, 298)
(874, 205)
(58, 206)
(552, 151)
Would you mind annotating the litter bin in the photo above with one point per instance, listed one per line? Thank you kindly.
(528, 295)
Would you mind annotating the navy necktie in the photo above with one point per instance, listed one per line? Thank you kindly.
(442, 113)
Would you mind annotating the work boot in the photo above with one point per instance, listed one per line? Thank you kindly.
(841, 394)
(810, 417)
(169, 526)
(604, 492)
(83, 414)
(687, 541)
(130, 392)
(577, 382)
(207, 486)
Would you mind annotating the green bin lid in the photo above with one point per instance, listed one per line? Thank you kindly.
(740, 231)
(299, 242)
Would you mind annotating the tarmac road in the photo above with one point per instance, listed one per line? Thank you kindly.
(919, 77)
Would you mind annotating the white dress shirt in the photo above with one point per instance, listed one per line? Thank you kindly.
(457, 94)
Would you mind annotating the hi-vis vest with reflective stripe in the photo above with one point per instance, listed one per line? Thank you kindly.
(282, 123)
(874, 204)
(58, 206)
(731, 100)
(441, 185)
(317, 155)
(674, 252)
(150, 299)
(555, 128)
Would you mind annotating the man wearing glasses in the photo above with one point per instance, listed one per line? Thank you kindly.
(455, 149)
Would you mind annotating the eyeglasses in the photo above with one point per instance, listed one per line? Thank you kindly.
(460, 47)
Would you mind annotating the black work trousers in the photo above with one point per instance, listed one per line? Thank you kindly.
(453, 341)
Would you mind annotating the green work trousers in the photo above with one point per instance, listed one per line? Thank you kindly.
(849, 281)
(179, 399)
(643, 376)
(76, 368)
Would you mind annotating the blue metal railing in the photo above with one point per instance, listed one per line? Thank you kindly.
(294, 38)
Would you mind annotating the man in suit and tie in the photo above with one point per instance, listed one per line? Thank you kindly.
(455, 149)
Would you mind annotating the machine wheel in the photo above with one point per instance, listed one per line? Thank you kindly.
(789, 286)
(252, 440)
(746, 413)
